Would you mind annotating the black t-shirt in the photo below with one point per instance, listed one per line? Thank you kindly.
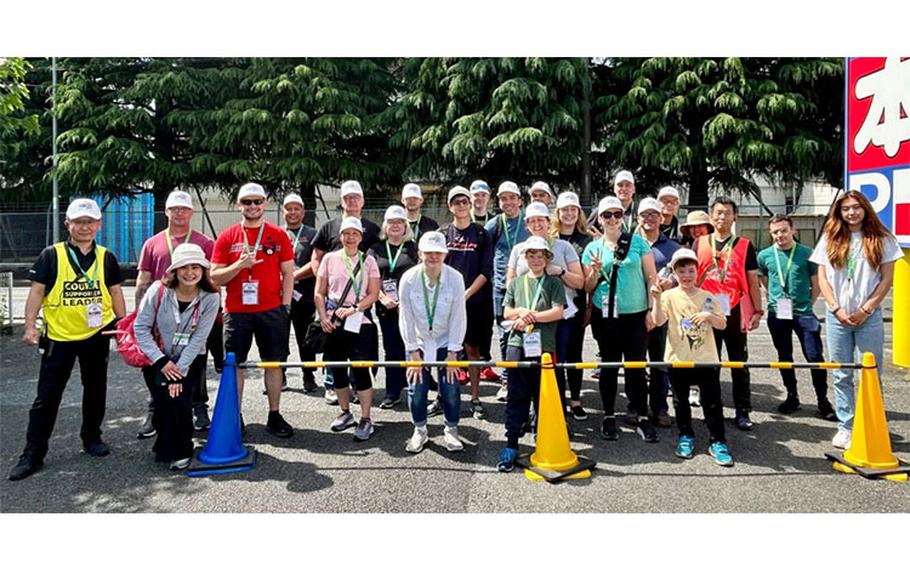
(671, 230)
(421, 226)
(480, 219)
(182, 306)
(44, 271)
(751, 257)
(303, 252)
(328, 240)
(579, 241)
(407, 259)
(471, 254)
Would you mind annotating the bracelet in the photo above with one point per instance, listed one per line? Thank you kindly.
(865, 311)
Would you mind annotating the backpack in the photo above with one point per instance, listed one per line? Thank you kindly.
(127, 345)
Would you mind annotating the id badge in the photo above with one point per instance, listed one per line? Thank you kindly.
(390, 289)
(250, 290)
(296, 295)
(93, 314)
(724, 303)
(532, 344)
(605, 308)
(429, 350)
(181, 339)
(353, 321)
(784, 308)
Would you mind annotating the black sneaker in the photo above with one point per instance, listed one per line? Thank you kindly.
(309, 384)
(27, 465)
(789, 406)
(201, 420)
(608, 429)
(647, 431)
(742, 420)
(578, 413)
(97, 448)
(277, 426)
(826, 411)
(147, 430)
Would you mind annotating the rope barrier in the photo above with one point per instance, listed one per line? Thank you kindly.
(535, 364)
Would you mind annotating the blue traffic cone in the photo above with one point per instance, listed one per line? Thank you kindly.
(224, 451)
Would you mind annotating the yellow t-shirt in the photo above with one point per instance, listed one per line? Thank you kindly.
(685, 340)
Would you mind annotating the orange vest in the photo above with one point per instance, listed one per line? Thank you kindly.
(734, 284)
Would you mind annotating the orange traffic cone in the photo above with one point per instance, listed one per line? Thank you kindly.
(553, 458)
(870, 452)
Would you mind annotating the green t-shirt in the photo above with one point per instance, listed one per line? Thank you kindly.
(631, 291)
(552, 293)
(798, 284)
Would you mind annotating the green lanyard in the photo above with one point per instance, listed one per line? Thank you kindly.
(246, 241)
(91, 281)
(296, 236)
(728, 248)
(350, 267)
(782, 275)
(431, 312)
(393, 261)
(474, 217)
(528, 303)
(416, 229)
(603, 265)
(170, 245)
(505, 229)
(627, 226)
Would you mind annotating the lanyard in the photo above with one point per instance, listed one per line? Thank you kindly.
(505, 229)
(628, 226)
(194, 319)
(528, 303)
(416, 229)
(91, 281)
(782, 275)
(246, 241)
(431, 312)
(296, 236)
(347, 264)
(393, 261)
(728, 248)
(170, 245)
(603, 265)
(474, 217)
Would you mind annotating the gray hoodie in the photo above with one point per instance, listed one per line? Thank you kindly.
(171, 321)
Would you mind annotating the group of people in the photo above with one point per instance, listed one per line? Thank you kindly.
(650, 287)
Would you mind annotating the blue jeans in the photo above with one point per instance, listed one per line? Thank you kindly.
(843, 344)
(808, 332)
(450, 393)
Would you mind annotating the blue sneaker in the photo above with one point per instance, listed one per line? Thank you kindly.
(721, 454)
(507, 460)
(685, 447)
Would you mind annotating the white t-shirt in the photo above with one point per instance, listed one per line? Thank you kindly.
(851, 293)
(563, 255)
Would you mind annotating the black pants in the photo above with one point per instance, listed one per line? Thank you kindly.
(344, 345)
(215, 345)
(173, 418)
(301, 318)
(524, 387)
(657, 385)
(737, 350)
(574, 343)
(57, 361)
(808, 332)
(622, 338)
(708, 381)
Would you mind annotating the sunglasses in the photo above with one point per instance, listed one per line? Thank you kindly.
(614, 214)
(458, 202)
(251, 201)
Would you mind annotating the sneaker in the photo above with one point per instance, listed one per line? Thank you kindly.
(344, 421)
(477, 410)
(578, 413)
(435, 409)
(694, 397)
(742, 420)
(507, 459)
(462, 377)
(330, 397)
(647, 431)
(177, 465)
(842, 440)
(503, 394)
(417, 441)
(277, 426)
(201, 419)
(388, 403)
(451, 440)
(608, 429)
(309, 384)
(721, 454)
(685, 447)
(97, 448)
(632, 420)
(354, 398)
(364, 430)
(489, 374)
(147, 430)
(595, 374)
(27, 465)
(789, 406)
(664, 420)
(826, 411)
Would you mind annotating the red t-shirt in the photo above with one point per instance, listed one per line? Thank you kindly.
(156, 256)
(274, 248)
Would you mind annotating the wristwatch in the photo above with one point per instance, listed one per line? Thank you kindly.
(563, 273)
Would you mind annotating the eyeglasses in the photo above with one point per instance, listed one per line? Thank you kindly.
(459, 202)
(650, 213)
(614, 214)
(251, 201)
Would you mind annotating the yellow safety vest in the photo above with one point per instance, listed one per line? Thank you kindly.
(66, 305)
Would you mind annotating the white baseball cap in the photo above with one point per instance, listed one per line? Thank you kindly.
(350, 223)
(456, 191)
(609, 202)
(668, 190)
(188, 253)
(649, 204)
(479, 185)
(411, 190)
(293, 198)
(178, 198)
(682, 254)
(537, 243)
(509, 187)
(541, 186)
(83, 207)
(567, 198)
(351, 187)
(433, 241)
(624, 175)
(536, 209)
(251, 190)
(395, 212)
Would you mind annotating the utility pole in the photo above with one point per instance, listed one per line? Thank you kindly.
(56, 199)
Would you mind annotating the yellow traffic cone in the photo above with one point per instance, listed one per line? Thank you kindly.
(553, 458)
(870, 452)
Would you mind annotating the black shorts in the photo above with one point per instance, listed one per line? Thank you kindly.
(270, 329)
(480, 324)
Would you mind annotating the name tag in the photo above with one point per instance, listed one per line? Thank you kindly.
(250, 292)
(429, 350)
(532, 344)
(784, 308)
(390, 289)
(724, 303)
(353, 321)
(93, 314)
(181, 339)
(296, 295)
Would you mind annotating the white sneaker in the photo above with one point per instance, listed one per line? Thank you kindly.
(503, 393)
(344, 421)
(841, 440)
(451, 440)
(330, 397)
(417, 441)
(694, 397)
(177, 465)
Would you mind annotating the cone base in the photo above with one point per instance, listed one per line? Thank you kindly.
(901, 473)
(198, 468)
(581, 471)
(854, 460)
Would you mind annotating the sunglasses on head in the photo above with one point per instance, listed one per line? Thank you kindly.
(614, 214)
(251, 201)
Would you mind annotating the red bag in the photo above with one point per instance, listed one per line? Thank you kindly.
(127, 345)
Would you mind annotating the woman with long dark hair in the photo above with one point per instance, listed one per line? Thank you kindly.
(855, 258)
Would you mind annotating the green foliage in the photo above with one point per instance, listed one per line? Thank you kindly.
(18, 118)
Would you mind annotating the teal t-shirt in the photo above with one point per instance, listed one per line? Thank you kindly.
(552, 293)
(798, 284)
(631, 290)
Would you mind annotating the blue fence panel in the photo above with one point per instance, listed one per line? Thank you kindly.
(128, 222)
